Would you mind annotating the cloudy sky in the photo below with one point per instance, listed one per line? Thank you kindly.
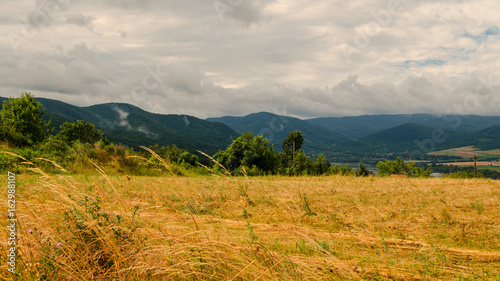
(211, 58)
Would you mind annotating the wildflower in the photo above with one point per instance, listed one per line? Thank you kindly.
(59, 244)
(30, 231)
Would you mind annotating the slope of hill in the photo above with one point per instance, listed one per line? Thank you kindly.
(275, 128)
(407, 138)
(132, 126)
(365, 125)
(487, 139)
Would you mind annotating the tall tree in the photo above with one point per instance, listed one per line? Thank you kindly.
(291, 145)
(83, 131)
(249, 151)
(22, 121)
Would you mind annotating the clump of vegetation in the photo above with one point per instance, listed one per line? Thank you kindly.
(22, 121)
(399, 167)
(464, 175)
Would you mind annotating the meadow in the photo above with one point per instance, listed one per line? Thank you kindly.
(215, 227)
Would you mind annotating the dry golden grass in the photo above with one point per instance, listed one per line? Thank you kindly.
(259, 228)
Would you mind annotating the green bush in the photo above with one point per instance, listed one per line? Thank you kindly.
(399, 167)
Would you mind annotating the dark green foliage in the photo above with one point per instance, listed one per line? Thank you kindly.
(320, 166)
(249, 151)
(362, 171)
(82, 131)
(338, 169)
(399, 167)
(291, 145)
(22, 121)
(302, 164)
(464, 175)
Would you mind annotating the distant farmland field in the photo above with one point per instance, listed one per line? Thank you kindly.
(259, 228)
(467, 152)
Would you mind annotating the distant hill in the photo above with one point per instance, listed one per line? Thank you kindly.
(132, 126)
(487, 139)
(276, 128)
(365, 125)
(406, 138)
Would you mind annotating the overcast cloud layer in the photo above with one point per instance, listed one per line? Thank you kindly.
(234, 57)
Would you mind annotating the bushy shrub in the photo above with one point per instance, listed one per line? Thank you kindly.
(399, 167)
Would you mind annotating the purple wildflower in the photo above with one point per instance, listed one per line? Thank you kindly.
(59, 244)
(30, 231)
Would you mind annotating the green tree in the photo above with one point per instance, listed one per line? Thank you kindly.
(248, 151)
(22, 121)
(302, 164)
(399, 167)
(338, 169)
(291, 145)
(83, 131)
(362, 171)
(320, 166)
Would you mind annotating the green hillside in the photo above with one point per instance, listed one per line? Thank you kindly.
(132, 126)
(487, 139)
(365, 125)
(406, 138)
(276, 128)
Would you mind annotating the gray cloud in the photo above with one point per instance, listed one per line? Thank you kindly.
(285, 57)
(81, 20)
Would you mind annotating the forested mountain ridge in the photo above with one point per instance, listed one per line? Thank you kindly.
(132, 126)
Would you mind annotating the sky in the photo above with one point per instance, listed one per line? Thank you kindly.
(211, 58)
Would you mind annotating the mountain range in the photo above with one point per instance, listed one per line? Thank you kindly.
(368, 134)
(365, 125)
(376, 135)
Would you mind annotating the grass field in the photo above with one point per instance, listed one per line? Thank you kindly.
(259, 228)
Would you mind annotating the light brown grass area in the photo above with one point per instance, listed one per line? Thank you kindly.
(261, 228)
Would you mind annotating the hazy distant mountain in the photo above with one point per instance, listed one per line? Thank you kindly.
(132, 126)
(407, 138)
(276, 128)
(365, 125)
